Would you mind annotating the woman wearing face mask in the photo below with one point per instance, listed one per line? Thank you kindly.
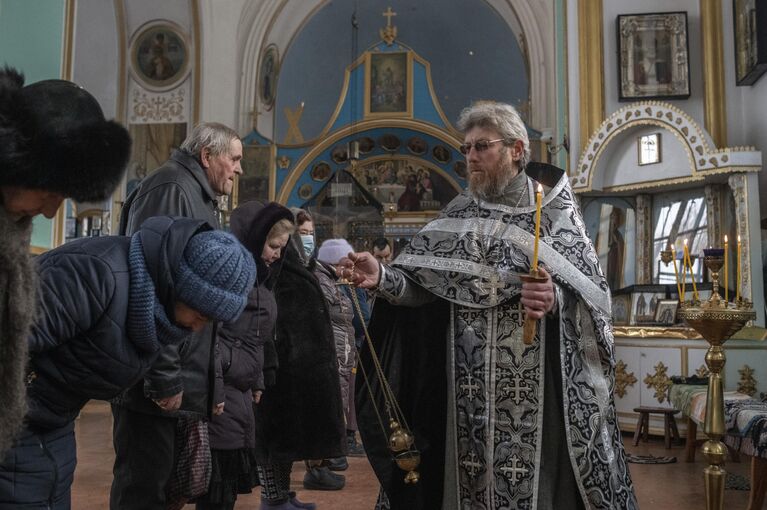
(301, 416)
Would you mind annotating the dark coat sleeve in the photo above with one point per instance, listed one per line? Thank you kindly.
(168, 199)
(411, 345)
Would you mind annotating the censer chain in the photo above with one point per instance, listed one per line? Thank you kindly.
(392, 406)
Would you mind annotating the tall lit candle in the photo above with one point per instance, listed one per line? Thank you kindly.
(726, 289)
(692, 274)
(538, 200)
(737, 279)
(676, 273)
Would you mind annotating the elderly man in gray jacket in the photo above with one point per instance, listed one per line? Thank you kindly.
(180, 383)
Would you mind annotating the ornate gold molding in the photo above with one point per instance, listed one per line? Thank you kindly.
(591, 67)
(659, 381)
(623, 379)
(714, 97)
(748, 333)
(655, 332)
(747, 383)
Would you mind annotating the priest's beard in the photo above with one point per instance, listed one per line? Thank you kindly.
(490, 182)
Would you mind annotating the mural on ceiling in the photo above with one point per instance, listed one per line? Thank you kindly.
(389, 105)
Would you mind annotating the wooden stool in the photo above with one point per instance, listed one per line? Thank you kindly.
(669, 423)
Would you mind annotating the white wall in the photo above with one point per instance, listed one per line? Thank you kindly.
(95, 53)
(219, 87)
(619, 164)
(746, 106)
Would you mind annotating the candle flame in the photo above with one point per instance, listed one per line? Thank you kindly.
(685, 242)
(725, 239)
(540, 188)
(738, 237)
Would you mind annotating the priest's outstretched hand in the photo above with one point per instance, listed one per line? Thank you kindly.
(538, 298)
(361, 268)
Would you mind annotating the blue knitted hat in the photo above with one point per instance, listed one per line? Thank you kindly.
(215, 275)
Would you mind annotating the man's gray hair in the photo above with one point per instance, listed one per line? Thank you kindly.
(217, 137)
(501, 117)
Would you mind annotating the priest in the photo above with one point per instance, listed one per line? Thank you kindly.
(500, 423)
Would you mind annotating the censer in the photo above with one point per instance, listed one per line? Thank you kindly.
(401, 442)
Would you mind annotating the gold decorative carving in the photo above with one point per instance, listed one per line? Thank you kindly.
(623, 379)
(158, 108)
(389, 32)
(655, 332)
(283, 162)
(659, 381)
(294, 131)
(702, 371)
(747, 383)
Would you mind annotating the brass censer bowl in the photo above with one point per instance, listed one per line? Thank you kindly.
(405, 455)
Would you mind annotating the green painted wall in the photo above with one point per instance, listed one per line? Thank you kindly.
(31, 39)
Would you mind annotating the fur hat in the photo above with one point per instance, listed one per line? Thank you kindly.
(333, 250)
(53, 137)
(215, 275)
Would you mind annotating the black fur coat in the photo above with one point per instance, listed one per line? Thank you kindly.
(301, 416)
(18, 284)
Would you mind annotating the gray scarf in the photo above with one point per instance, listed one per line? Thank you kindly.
(18, 284)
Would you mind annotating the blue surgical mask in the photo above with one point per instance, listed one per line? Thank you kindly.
(308, 241)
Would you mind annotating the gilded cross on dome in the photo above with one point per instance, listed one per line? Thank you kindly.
(389, 32)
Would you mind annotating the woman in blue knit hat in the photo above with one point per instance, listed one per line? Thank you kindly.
(108, 306)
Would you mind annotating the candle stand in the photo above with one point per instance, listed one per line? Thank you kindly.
(716, 321)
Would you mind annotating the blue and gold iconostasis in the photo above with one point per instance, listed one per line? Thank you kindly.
(406, 146)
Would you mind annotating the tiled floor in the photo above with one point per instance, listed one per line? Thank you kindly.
(659, 486)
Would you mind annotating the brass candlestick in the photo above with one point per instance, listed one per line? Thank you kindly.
(716, 322)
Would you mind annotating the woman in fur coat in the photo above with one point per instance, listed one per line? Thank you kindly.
(301, 416)
(54, 143)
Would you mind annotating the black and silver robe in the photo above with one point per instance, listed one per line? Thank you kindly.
(505, 445)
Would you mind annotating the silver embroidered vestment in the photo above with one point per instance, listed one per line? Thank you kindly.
(471, 255)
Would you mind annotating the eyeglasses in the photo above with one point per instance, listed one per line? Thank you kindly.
(479, 145)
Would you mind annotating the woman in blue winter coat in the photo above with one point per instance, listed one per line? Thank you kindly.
(107, 307)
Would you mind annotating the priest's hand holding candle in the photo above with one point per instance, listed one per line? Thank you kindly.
(537, 288)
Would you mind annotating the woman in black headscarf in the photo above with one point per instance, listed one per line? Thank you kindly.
(242, 375)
